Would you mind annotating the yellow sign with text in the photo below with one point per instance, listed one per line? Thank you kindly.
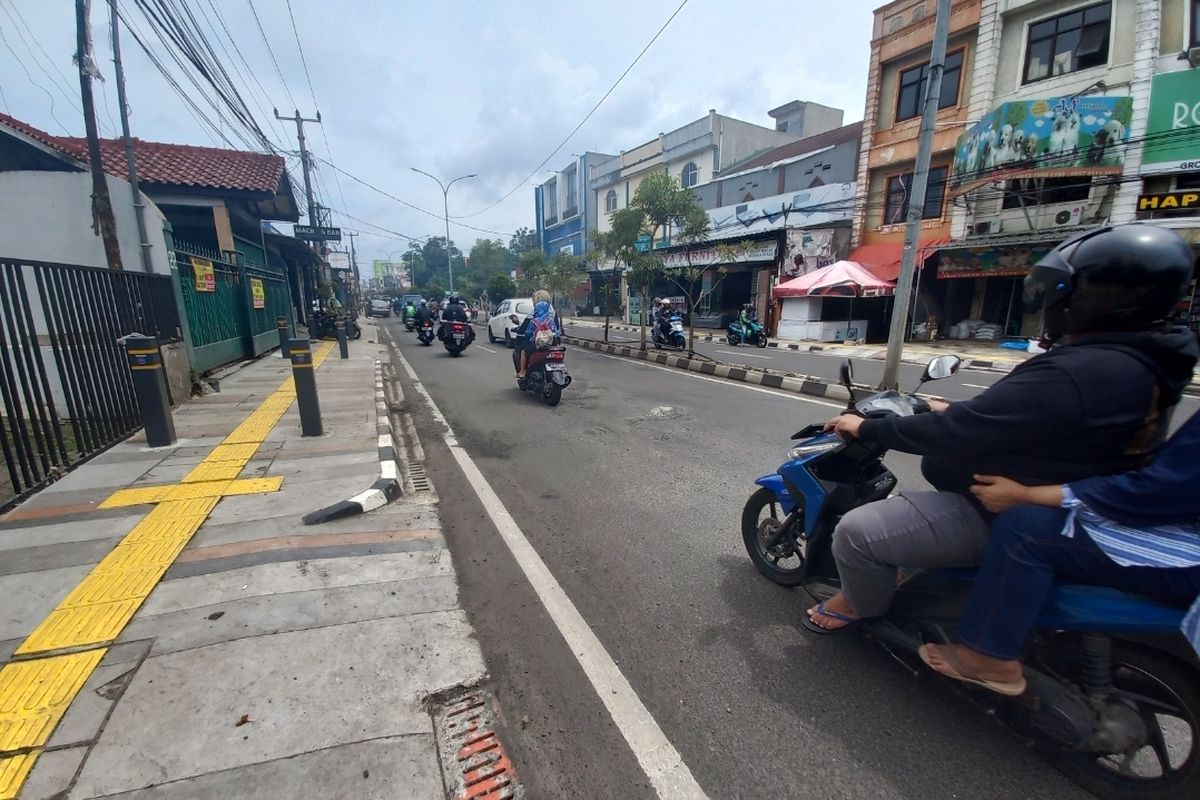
(206, 276)
(1171, 201)
(258, 295)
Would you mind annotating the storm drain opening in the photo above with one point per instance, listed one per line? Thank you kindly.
(416, 475)
(474, 763)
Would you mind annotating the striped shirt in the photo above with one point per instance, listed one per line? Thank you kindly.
(1163, 546)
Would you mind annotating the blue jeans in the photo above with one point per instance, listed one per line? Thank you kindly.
(1026, 555)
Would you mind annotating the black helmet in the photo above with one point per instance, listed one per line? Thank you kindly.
(453, 299)
(1118, 277)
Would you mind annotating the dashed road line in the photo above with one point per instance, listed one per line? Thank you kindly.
(740, 355)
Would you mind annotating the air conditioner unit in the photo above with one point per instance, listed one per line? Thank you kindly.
(1068, 217)
(984, 227)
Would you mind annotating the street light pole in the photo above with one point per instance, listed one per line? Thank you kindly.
(446, 207)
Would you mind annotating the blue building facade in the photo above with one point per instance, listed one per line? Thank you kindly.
(565, 209)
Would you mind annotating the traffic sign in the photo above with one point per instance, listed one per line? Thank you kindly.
(317, 233)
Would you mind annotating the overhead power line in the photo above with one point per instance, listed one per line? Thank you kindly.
(263, 33)
(583, 121)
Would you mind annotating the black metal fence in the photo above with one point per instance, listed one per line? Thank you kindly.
(65, 390)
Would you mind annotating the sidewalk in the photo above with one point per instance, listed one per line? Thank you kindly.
(197, 640)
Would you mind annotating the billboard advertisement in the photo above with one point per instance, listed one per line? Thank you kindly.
(1173, 125)
(1045, 136)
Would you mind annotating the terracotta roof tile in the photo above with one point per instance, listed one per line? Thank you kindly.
(173, 164)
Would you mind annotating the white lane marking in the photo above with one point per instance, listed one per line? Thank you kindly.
(486, 349)
(720, 381)
(742, 355)
(975, 386)
(658, 758)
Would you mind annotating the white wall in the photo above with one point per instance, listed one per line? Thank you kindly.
(47, 216)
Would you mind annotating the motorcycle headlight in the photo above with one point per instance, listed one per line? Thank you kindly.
(803, 450)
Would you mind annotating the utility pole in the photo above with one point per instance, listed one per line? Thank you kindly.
(103, 221)
(446, 207)
(916, 197)
(353, 267)
(130, 163)
(308, 194)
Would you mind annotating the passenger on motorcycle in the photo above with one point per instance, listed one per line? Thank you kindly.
(539, 330)
(1097, 403)
(1138, 531)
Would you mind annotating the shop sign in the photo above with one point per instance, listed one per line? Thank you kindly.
(205, 274)
(990, 262)
(1067, 135)
(710, 256)
(1170, 201)
(1173, 125)
(258, 295)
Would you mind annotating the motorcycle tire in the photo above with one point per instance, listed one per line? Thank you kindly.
(751, 538)
(552, 395)
(731, 340)
(1164, 683)
(761, 340)
(356, 333)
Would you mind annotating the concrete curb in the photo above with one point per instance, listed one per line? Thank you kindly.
(388, 487)
(798, 384)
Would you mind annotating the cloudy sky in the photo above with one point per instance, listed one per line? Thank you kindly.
(451, 87)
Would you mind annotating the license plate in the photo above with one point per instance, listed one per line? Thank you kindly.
(458, 337)
(554, 367)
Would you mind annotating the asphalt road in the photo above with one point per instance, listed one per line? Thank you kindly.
(630, 492)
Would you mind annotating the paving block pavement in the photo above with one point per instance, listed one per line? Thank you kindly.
(167, 634)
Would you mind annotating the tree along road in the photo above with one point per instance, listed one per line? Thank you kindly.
(630, 492)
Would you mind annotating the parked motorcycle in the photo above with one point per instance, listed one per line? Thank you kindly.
(675, 337)
(752, 334)
(323, 325)
(425, 332)
(1114, 688)
(456, 336)
(545, 374)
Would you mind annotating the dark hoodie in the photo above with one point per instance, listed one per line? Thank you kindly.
(1096, 405)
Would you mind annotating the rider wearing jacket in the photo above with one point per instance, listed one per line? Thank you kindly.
(1097, 403)
(455, 311)
(423, 314)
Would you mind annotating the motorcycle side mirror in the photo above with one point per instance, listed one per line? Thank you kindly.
(938, 368)
(846, 374)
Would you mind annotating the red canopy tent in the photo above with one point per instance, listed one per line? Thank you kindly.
(840, 279)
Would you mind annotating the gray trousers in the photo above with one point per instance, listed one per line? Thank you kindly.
(913, 530)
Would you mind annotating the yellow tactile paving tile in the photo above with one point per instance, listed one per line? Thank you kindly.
(136, 496)
(255, 485)
(215, 471)
(35, 694)
(13, 771)
(233, 452)
(76, 627)
(116, 585)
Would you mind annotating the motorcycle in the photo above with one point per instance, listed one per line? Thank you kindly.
(675, 338)
(410, 323)
(545, 374)
(456, 336)
(322, 325)
(753, 333)
(425, 332)
(1111, 680)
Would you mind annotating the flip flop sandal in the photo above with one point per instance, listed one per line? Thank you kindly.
(962, 673)
(809, 624)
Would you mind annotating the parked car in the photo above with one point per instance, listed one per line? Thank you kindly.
(380, 307)
(506, 316)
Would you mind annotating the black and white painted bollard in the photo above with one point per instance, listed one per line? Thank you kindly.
(150, 389)
(306, 387)
(284, 330)
(343, 343)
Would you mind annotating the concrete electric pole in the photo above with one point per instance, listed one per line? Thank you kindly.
(130, 162)
(103, 221)
(916, 198)
(308, 194)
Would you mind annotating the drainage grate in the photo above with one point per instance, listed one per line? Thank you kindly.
(416, 474)
(473, 760)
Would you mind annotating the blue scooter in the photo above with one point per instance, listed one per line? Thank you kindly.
(1114, 688)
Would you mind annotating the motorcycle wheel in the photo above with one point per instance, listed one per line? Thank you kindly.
(1167, 696)
(731, 340)
(356, 333)
(761, 340)
(781, 563)
(553, 395)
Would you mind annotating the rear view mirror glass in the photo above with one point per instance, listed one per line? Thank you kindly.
(941, 367)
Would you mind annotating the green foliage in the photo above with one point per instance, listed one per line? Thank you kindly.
(522, 242)
(501, 287)
(1016, 113)
(532, 268)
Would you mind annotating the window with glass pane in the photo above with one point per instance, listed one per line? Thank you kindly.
(1027, 191)
(912, 86)
(935, 193)
(690, 175)
(1195, 11)
(610, 200)
(1067, 43)
(572, 184)
(899, 188)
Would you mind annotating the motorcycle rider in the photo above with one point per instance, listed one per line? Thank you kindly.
(1138, 531)
(543, 318)
(1097, 403)
(455, 311)
(423, 314)
(662, 327)
(409, 311)
(745, 317)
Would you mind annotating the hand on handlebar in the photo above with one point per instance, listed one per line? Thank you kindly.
(846, 424)
(937, 404)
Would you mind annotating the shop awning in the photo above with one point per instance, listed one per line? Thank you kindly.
(884, 259)
(998, 256)
(839, 279)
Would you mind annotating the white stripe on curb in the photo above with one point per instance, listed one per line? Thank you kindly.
(659, 759)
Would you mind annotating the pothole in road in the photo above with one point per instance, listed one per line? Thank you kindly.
(661, 414)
